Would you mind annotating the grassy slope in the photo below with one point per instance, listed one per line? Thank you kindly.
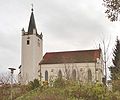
(71, 92)
(46, 93)
(29, 95)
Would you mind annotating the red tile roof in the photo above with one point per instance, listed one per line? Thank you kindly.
(82, 56)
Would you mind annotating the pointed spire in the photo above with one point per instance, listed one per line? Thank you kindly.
(32, 25)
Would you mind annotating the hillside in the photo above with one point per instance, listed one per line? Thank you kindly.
(71, 91)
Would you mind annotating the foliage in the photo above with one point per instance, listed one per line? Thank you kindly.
(72, 91)
(116, 61)
(4, 93)
(89, 92)
(61, 90)
(116, 85)
(59, 83)
(115, 70)
(113, 9)
(34, 84)
(17, 90)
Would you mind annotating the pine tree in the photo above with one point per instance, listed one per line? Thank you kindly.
(115, 69)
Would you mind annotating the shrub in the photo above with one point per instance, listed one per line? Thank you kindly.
(34, 84)
(59, 83)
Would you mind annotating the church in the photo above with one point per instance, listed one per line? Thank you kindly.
(80, 65)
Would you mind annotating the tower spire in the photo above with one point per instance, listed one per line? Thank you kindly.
(32, 26)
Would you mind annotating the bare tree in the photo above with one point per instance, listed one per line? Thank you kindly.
(105, 46)
(67, 71)
(5, 78)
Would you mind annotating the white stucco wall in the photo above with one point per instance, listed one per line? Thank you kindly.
(30, 58)
(81, 71)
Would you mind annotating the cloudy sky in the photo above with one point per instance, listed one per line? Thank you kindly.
(66, 25)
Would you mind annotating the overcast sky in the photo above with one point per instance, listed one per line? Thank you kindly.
(66, 25)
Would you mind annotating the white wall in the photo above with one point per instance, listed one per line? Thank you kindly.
(30, 58)
(81, 70)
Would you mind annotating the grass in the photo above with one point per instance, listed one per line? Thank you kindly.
(67, 91)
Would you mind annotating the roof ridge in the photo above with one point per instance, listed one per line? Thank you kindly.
(73, 51)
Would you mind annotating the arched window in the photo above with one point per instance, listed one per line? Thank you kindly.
(60, 74)
(46, 75)
(74, 75)
(89, 75)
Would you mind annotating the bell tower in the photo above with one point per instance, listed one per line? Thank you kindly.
(32, 52)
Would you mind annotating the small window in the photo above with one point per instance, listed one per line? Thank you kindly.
(28, 42)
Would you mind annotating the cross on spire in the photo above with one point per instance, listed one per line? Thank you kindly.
(32, 7)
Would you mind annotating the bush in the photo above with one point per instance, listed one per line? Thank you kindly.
(116, 85)
(70, 90)
(59, 83)
(34, 84)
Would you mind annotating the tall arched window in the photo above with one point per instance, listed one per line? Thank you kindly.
(74, 75)
(89, 75)
(60, 74)
(46, 75)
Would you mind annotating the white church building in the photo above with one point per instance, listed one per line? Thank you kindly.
(79, 65)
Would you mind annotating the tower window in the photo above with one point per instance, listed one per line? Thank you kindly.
(28, 42)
